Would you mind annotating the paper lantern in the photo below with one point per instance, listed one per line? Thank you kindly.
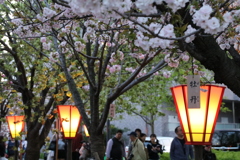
(198, 124)
(16, 125)
(69, 120)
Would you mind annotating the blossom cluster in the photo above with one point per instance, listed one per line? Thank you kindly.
(212, 25)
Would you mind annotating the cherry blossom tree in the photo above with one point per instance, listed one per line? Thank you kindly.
(30, 84)
(105, 48)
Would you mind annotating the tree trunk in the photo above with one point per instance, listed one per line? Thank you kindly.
(33, 148)
(198, 150)
(152, 124)
(97, 145)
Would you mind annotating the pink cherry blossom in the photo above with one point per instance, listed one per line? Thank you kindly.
(43, 39)
(48, 13)
(227, 17)
(185, 58)
(46, 46)
(176, 4)
(237, 29)
(146, 6)
(167, 58)
(156, 73)
(141, 56)
(173, 63)
(130, 69)
(86, 87)
(17, 21)
(167, 74)
(213, 23)
(189, 31)
(205, 11)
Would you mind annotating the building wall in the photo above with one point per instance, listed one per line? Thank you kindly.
(165, 125)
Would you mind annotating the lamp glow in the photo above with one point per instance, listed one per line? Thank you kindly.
(15, 124)
(69, 120)
(198, 124)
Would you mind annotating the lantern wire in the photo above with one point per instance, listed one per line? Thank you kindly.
(192, 67)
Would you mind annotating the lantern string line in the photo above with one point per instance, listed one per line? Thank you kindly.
(192, 68)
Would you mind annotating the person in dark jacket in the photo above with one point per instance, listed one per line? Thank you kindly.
(179, 150)
(154, 148)
(115, 147)
(2, 147)
(207, 153)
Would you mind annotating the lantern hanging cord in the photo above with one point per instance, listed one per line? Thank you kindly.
(192, 67)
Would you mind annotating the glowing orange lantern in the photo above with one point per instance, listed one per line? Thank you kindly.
(198, 124)
(16, 125)
(86, 131)
(69, 120)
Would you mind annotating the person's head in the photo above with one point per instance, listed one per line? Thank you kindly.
(143, 137)
(119, 134)
(178, 131)
(133, 136)
(207, 148)
(138, 131)
(153, 137)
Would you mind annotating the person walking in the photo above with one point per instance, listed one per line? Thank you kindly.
(84, 151)
(154, 148)
(138, 132)
(143, 139)
(207, 153)
(10, 145)
(115, 147)
(23, 147)
(179, 150)
(62, 148)
(2, 149)
(138, 151)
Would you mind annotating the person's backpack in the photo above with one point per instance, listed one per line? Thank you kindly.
(10, 148)
(210, 156)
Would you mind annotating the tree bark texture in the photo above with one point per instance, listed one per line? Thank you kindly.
(33, 148)
(36, 141)
(97, 145)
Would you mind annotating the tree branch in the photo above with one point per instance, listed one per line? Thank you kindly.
(72, 86)
(156, 35)
(234, 53)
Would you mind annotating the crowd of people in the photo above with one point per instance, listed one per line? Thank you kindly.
(7, 149)
(81, 149)
(139, 149)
